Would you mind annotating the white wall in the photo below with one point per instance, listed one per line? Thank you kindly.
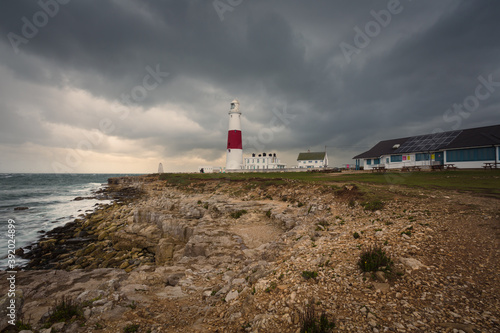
(259, 163)
(206, 169)
(410, 161)
(312, 164)
(413, 162)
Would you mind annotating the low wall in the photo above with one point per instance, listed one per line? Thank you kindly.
(281, 170)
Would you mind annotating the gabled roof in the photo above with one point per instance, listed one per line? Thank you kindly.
(472, 137)
(311, 156)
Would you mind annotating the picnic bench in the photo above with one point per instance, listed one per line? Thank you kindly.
(437, 167)
(450, 167)
(411, 168)
(379, 169)
(490, 165)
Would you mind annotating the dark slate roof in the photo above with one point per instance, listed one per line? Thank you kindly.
(381, 148)
(477, 137)
(472, 137)
(311, 156)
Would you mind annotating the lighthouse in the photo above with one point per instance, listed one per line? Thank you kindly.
(234, 157)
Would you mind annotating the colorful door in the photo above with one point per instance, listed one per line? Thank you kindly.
(439, 157)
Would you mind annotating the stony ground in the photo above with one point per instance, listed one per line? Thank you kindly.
(220, 256)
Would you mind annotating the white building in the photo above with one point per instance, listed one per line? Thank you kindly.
(263, 161)
(209, 169)
(312, 160)
(469, 148)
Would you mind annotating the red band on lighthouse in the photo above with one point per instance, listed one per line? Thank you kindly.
(234, 139)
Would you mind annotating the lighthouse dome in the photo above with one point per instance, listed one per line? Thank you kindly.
(235, 106)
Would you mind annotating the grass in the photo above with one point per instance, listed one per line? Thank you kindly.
(238, 214)
(309, 275)
(375, 259)
(478, 181)
(310, 323)
(65, 310)
(484, 182)
(21, 325)
(131, 328)
(271, 287)
(373, 205)
(407, 231)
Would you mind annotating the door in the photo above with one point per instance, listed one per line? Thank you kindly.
(439, 157)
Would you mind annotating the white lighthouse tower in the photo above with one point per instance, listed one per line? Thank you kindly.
(234, 157)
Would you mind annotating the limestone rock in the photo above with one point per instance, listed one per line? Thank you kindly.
(232, 295)
(171, 293)
(164, 251)
(411, 263)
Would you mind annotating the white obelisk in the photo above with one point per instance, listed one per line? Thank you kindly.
(234, 157)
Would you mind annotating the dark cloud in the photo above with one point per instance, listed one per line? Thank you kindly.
(74, 71)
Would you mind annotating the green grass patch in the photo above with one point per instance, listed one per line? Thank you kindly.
(309, 275)
(375, 259)
(311, 323)
(64, 310)
(21, 325)
(131, 328)
(486, 182)
(271, 287)
(373, 205)
(238, 214)
(407, 231)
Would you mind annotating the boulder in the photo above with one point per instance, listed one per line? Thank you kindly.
(164, 251)
(232, 295)
(411, 263)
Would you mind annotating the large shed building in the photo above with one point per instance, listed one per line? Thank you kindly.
(468, 148)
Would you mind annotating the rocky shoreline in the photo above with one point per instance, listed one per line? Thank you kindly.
(228, 256)
(83, 243)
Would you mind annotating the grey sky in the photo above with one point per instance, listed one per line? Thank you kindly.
(121, 85)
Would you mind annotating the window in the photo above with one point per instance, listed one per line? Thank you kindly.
(422, 157)
(471, 154)
(316, 162)
(369, 162)
(310, 161)
(376, 161)
(387, 160)
(396, 158)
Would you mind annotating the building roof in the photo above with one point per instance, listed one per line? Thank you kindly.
(311, 156)
(472, 137)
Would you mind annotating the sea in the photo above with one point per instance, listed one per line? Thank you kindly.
(50, 202)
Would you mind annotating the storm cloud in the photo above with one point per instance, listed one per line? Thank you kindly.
(121, 85)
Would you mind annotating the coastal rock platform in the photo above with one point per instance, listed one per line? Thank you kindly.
(216, 255)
